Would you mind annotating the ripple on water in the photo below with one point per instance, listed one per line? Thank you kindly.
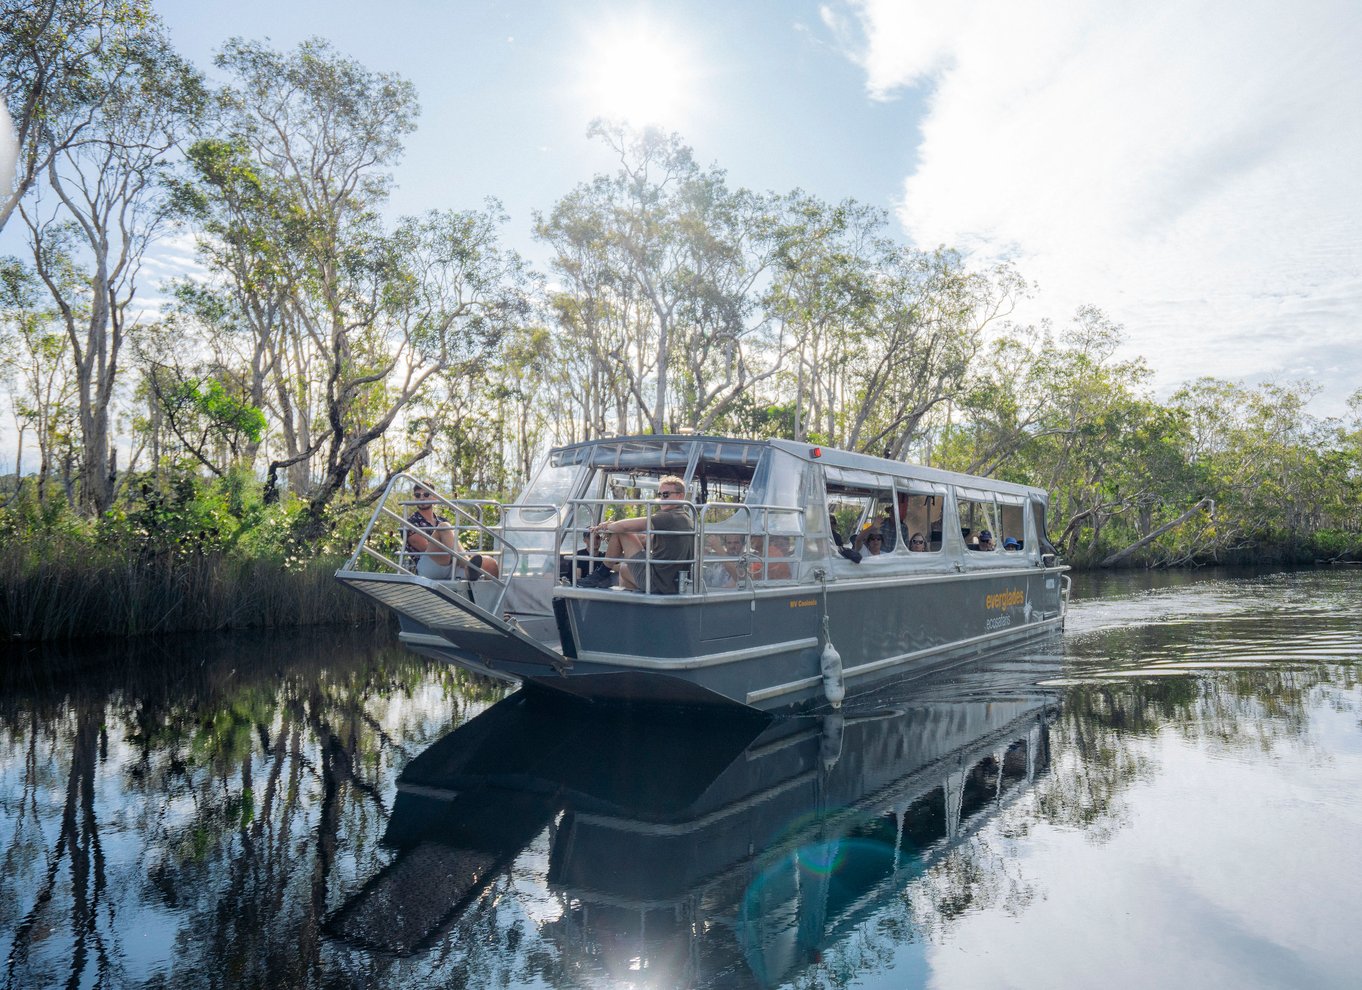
(1276, 621)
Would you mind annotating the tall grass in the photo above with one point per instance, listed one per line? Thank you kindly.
(66, 590)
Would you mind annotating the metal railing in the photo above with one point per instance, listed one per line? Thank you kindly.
(729, 545)
(472, 527)
(723, 546)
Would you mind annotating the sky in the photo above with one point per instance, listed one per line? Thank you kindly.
(1188, 166)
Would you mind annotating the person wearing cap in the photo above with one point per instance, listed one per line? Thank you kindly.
(986, 541)
(1012, 543)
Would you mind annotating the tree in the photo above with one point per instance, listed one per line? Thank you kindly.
(109, 205)
(661, 263)
(56, 57)
(33, 364)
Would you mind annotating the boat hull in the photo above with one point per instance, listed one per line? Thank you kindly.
(763, 649)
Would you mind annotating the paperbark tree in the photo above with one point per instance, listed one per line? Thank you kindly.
(106, 204)
(55, 60)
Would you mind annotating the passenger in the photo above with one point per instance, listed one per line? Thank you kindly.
(429, 536)
(885, 529)
(917, 543)
(845, 551)
(985, 541)
(776, 546)
(673, 539)
(723, 572)
(874, 544)
(580, 559)
(1011, 544)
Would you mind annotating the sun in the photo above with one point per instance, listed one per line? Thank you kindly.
(641, 73)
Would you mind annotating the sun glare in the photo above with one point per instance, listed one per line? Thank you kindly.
(638, 73)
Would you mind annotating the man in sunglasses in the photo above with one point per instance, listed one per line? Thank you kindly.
(673, 539)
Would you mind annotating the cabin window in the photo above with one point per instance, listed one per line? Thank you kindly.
(861, 504)
(978, 514)
(921, 508)
(1011, 535)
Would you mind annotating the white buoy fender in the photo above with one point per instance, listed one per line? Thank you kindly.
(833, 688)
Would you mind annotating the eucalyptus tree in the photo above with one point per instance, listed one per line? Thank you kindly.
(446, 295)
(660, 266)
(102, 204)
(929, 315)
(246, 239)
(34, 367)
(821, 292)
(727, 343)
(1273, 468)
(56, 57)
(1063, 410)
(289, 189)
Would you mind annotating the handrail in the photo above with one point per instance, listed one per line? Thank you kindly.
(467, 517)
(762, 558)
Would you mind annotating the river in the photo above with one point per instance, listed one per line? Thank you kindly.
(1166, 795)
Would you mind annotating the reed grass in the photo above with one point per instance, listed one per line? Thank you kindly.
(67, 590)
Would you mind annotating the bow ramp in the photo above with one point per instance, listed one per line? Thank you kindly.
(451, 610)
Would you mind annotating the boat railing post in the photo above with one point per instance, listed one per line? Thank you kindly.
(378, 510)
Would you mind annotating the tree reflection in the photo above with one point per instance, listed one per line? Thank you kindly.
(237, 788)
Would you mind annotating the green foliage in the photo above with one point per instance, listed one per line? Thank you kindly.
(177, 552)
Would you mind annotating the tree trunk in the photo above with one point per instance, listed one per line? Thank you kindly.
(1120, 555)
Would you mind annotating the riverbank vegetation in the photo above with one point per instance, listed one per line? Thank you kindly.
(187, 452)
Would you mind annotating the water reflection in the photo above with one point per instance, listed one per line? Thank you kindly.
(323, 809)
(187, 812)
(686, 848)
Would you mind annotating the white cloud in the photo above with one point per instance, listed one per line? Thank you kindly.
(1187, 166)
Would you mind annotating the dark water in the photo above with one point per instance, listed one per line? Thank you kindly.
(1171, 795)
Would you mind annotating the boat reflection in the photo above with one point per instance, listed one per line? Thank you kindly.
(695, 847)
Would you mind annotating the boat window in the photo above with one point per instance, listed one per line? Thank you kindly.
(552, 485)
(1011, 536)
(978, 514)
(531, 523)
(670, 456)
(921, 507)
(862, 503)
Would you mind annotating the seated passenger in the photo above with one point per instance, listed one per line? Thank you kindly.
(774, 546)
(874, 544)
(985, 541)
(917, 543)
(885, 529)
(1011, 543)
(430, 540)
(429, 537)
(580, 560)
(723, 572)
(673, 531)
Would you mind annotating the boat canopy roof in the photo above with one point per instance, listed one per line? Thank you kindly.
(677, 452)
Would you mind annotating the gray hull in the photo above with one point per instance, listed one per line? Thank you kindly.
(757, 649)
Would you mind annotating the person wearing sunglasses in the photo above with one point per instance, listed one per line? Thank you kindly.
(673, 532)
(430, 538)
(917, 543)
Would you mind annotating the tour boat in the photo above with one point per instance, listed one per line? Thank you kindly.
(776, 600)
